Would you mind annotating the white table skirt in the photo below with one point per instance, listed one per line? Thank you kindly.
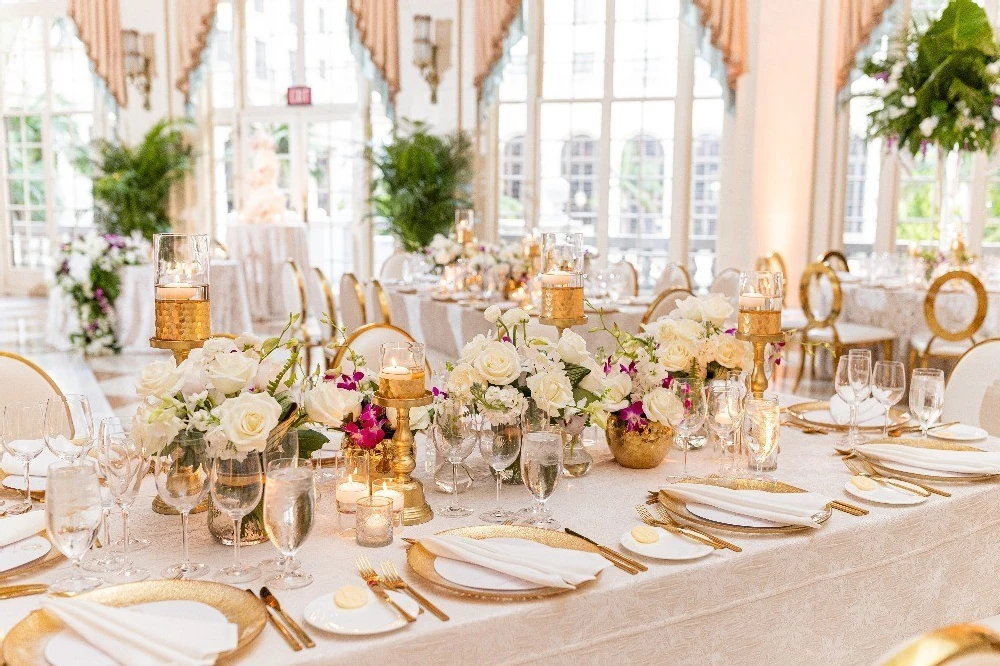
(262, 250)
(840, 595)
(135, 312)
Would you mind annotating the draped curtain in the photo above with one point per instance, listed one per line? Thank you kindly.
(498, 26)
(725, 21)
(98, 23)
(858, 20)
(194, 24)
(374, 31)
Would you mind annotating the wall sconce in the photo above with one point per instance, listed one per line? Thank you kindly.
(425, 53)
(138, 50)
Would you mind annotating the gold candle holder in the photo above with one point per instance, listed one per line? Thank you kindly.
(562, 281)
(759, 320)
(416, 510)
(465, 221)
(401, 375)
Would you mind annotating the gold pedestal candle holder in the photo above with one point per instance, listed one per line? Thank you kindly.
(759, 321)
(416, 510)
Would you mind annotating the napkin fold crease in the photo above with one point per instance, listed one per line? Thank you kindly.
(936, 460)
(781, 508)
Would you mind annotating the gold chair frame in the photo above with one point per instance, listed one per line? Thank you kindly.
(383, 301)
(303, 329)
(34, 366)
(836, 257)
(328, 298)
(635, 277)
(662, 296)
(773, 262)
(940, 332)
(359, 291)
(341, 350)
(684, 271)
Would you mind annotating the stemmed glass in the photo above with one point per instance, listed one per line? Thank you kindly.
(691, 395)
(237, 486)
(69, 426)
(279, 448)
(125, 464)
(926, 396)
(455, 437)
(72, 515)
(182, 471)
(725, 413)
(888, 386)
(853, 384)
(289, 507)
(761, 436)
(23, 428)
(107, 562)
(499, 448)
(541, 468)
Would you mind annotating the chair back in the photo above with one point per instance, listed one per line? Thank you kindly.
(329, 302)
(773, 262)
(23, 381)
(836, 260)
(664, 304)
(367, 342)
(631, 277)
(818, 288)
(378, 304)
(972, 394)
(392, 269)
(938, 330)
(353, 313)
(293, 290)
(219, 250)
(727, 283)
(674, 276)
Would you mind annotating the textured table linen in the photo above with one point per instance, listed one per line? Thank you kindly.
(841, 595)
(262, 250)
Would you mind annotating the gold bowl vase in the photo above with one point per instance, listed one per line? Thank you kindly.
(641, 449)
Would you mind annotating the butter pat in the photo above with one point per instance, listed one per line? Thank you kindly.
(863, 483)
(644, 534)
(350, 597)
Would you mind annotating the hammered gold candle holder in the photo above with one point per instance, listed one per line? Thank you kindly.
(759, 320)
(416, 510)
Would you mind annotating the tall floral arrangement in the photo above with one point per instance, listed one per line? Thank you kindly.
(87, 272)
(265, 202)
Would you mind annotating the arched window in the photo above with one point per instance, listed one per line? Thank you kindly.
(642, 185)
(512, 178)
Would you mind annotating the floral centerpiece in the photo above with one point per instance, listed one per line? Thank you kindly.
(264, 201)
(443, 251)
(88, 274)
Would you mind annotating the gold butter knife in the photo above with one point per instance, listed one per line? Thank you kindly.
(272, 601)
(292, 643)
(14, 591)
(613, 556)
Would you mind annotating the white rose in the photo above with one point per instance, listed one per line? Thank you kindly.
(993, 68)
(217, 346)
(160, 379)
(248, 419)
(689, 308)
(474, 348)
(996, 113)
(515, 316)
(676, 355)
(332, 406)
(231, 372)
(461, 379)
(442, 257)
(716, 309)
(572, 348)
(594, 381)
(551, 391)
(492, 314)
(498, 363)
(729, 352)
(154, 428)
(909, 101)
(267, 370)
(662, 406)
(617, 387)
(420, 417)
(928, 125)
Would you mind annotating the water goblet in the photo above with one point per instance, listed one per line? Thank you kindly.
(456, 436)
(69, 426)
(541, 468)
(23, 428)
(181, 471)
(888, 386)
(289, 508)
(761, 435)
(279, 448)
(725, 412)
(499, 447)
(853, 384)
(125, 464)
(72, 516)
(926, 396)
(691, 417)
(237, 487)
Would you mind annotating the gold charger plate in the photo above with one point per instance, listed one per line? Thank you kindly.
(679, 508)
(25, 644)
(421, 560)
(937, 444)
(897, 417)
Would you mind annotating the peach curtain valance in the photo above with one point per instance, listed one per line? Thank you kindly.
(98, 23)
(195, 19)
(726, 24)
(492, 24)
(374, 26)
(858, 20)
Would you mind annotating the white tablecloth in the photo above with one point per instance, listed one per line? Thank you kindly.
(262, 250)
(134, 308)
(840, 595)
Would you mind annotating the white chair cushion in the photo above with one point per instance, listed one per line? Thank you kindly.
(852, 334)
(392, 269)
(940, 347)
(24, 382)
(972, 394)
(792, 318)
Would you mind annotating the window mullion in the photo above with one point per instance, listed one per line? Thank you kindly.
(601, 228)
(680, 198)
(533, 108)
(888, 195)
(300, 55)
(238, 119)
(48, 156)
(977, 206)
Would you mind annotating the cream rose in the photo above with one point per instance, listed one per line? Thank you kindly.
(492, 314)
(217, 346)
(248, 419)
(154, 428)
(160, 379)
(515, 316)
(676, 355)
(617, 387)
(474, 348)
(729, 352)
(461, 379)
(231, 372)
(332, 406)
(420, 417)
(572, 348)
(551, 391)
(594, 381)
(689, 308)
(498, 363)
(716, 309)
(662, 406)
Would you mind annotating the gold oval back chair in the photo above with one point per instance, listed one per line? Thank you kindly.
(664, 304)
(773, 262)
(294, 290)
(24, 381)
(381, 315)
(836, 260)
(674, 276)
(940, 342)
(353, 308)
(329, 302)
(367, 341)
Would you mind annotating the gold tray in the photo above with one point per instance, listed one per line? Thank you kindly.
(421, 560)
(679, 508)
(51, 556)
(897, 417)
(25, 643)
(936, 444)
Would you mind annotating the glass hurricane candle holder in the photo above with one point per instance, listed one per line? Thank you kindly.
(465, 220)
(401, 374)
(374, 521)
(762, 429)
(183, 311)
(761, 294)
(562, 276)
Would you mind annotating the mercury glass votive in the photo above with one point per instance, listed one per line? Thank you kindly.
(182, 306)
(401, 374)
(562, 276)
(761, 293)
(374, 521)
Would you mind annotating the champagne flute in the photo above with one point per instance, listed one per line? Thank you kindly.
(888, 386)
(455, 437)
(237, 486)
(72, 515)
(23, 429)
(691, 394)
(289, 505)
(69, 426)
(860, 377)
(181, 471)
(725, 413)
(926, 396)
(499, 448)
(541, 467)
(125, 464)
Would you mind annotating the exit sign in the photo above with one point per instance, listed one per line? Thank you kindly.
(299, 96)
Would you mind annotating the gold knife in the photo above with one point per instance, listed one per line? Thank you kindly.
(272, 601)
(14, 591)
(610, 554)
(292, 643)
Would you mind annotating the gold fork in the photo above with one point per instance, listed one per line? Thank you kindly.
(648, 518)
(667, 517)
(508, 522)
(392, 580)
(375, 585)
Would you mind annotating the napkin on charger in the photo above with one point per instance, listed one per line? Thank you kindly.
(39, 466)
(557, 567)
(781, 508)
(936, 460)
(17, 528)
(142, 639)
(870, 412)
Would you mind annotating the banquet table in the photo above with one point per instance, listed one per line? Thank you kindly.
(262, 250)
(842, 594)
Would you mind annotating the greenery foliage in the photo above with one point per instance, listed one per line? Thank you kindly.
(420, 180)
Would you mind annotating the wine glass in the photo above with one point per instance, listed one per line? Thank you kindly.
(72, 515)
(853, 384)
(541, 468)
(926, 396)
(289, 505)
(455, 436)
(725, 413)
(125, 464)
(23, 428)
(499, 447)
(69, 426)
(279, 448)
(181, 471)
(237, 486)
(888, 386)
(691, 395)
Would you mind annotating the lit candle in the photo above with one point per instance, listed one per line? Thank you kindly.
(396, 372)
(557, 279)
(752, 301)
(176, 291)
(376, 523)
(394, 495)
(349, 492)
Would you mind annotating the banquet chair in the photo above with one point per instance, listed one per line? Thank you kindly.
(378, 304)
(219, 251)
(328, 332)
(822, 327)
(972, 394)
(674, 276)
(24, 381)
(664, 304)
(727, 283)
(392, 269)
(836, 260)
(940, 342)
(367, 342)
(353, 312)
(631, 277)
(293, 291)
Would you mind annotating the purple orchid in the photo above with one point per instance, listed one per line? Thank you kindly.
(438, 393)
(348, 381)
(634, 417)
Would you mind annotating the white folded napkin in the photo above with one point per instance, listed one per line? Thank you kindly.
(39, 466)
(16, 528)
(870, 412)
(782, 508)
(141, 639)
(559, 568)
(936, 460)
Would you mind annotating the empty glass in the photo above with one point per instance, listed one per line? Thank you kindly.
(541, 468)
(69, 426)
(182, 471)
(72, 515)
(761, 435)
(888, 386)
(725, 413)
(691, 394)
(853, 384)
(109, 561)
(289, 506)
(125, 464)
(926, 396)
(237, 486)
(455, 436)
(23, 428)
(286, 446)
(499, 447)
